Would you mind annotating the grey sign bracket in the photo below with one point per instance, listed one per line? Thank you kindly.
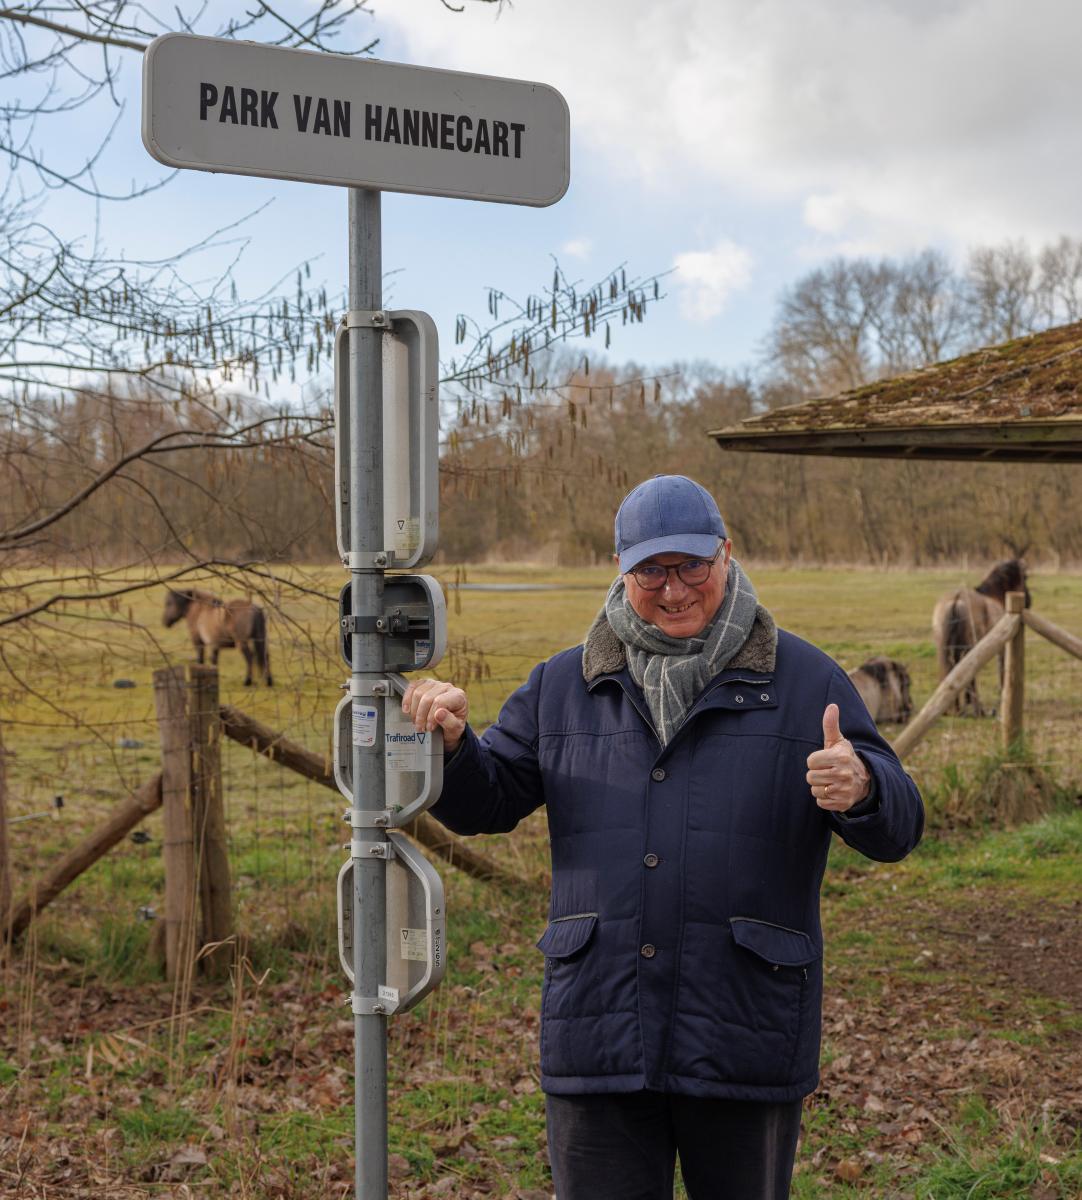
(410, 437)
(415, 929)
(413, 759)
(413, 620)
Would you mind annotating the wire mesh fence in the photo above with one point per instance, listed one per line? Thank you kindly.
(79, 722)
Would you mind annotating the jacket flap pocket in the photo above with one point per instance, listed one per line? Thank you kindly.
(566, 935)
(774, 943)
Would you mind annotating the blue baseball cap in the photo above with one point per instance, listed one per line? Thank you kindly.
(667, 513)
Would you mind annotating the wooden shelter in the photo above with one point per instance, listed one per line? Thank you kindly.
(1017, 402)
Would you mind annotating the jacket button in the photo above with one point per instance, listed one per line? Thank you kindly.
(739, 699)
(651, 860)
(657, 774)
(765, 696)
(648, 951)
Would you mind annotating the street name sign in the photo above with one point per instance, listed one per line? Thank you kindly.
(214, 104)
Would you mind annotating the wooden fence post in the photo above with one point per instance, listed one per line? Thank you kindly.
(193, 844)
(215, 888)
(1012, 697)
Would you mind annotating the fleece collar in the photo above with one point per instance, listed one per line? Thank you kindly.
(604, 653)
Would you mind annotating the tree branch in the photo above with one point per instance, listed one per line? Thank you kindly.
(25, 18)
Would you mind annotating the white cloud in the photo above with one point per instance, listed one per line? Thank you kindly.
(577, 248)
(891, 122)
(826, 212)
(707, 278)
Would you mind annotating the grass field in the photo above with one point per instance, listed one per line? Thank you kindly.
(953, 1034)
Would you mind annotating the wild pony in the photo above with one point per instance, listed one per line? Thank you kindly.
(883, 684)
(962, 617)
(219, 624)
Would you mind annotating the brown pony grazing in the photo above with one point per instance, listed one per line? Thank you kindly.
(883, 684)
(962, 617)
(220, 624)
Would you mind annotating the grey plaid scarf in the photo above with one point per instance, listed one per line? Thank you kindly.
(673, 671)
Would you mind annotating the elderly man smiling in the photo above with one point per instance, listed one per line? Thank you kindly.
(694, 761)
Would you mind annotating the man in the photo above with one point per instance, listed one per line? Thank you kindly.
(694, 761)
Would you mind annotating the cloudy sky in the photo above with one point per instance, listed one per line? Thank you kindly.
(733, 142)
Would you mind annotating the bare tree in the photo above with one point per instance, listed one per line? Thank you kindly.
(823, 338)
(156, 429)
(929, 310)
(1001, 292)
(1059, 281)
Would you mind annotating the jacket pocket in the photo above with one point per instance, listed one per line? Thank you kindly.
(566, 936)
(774, 944)
(570, 996)
(766, 1004)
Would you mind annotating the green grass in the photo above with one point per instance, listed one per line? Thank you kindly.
(151, 1124)
(984, 1161)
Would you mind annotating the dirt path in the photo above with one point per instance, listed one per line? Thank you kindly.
(989, 1006)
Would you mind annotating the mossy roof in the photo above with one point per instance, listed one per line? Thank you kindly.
(1020, 401)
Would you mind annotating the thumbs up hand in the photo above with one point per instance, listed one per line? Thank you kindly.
(836, 774)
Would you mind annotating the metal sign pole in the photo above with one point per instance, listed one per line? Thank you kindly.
(366, 577)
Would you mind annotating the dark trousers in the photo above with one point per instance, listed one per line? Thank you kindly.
(624, 1147)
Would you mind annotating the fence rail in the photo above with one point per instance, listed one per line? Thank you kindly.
(1006, 637)
(198, 921)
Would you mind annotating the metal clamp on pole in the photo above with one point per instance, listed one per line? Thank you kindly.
(370, 849)
(367, 1006)
(353, 624)
(369, 687)
(367, 818)
(366, 560)
(367, 318)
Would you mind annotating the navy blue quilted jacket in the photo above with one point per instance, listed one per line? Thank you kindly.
(684, 949)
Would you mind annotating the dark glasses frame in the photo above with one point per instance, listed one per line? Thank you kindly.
(698, 576)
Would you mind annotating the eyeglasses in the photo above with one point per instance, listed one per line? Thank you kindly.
(652, 577)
